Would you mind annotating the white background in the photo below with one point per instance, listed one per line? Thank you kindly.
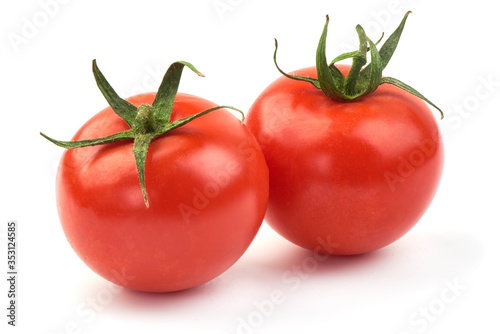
(449, 52)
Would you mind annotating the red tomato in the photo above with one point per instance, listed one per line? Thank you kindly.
(207, 184)
(345, 177)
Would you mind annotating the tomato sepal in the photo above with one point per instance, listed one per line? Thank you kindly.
(124, 135)
(126, 110)
(348, 55)
(146, 122)
(360, 81)
(312, 81)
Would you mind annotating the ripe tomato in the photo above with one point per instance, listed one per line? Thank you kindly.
(353, 165)
(345, 177)
(207, 185)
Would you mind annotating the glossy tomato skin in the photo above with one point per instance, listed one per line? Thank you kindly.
(207, 185)
(346, 177)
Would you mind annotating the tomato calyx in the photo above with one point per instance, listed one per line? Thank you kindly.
(361, 80)
(146, 122)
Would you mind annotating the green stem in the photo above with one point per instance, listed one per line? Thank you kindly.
(146, 122)
(361, 80)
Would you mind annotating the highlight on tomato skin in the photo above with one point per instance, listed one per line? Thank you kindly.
(173, 214)
(354, 158)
